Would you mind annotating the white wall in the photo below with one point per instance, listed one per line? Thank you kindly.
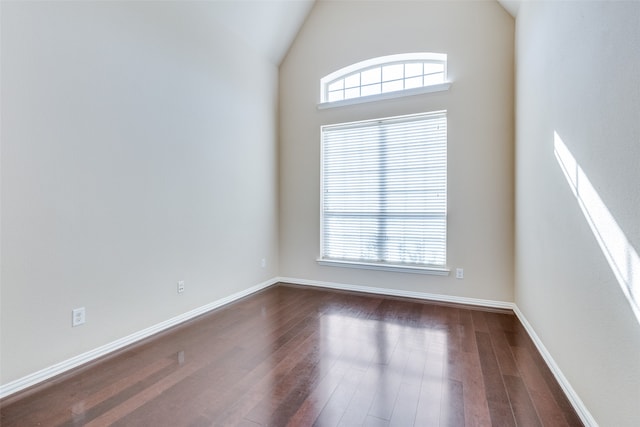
(577, 75)
(138, 149)
(478, 38)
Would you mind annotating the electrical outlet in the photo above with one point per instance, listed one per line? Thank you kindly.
(459, 273)
(263, 263)
(78, 316)
(181, 286)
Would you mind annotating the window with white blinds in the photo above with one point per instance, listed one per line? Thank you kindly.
(384, 191)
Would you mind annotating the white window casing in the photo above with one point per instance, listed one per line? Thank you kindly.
(384, 193)
(385, 77)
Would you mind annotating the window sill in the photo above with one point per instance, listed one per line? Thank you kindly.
(437, 271)
(389, 95)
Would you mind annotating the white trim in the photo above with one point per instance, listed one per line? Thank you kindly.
(81, 359)
(437, 271)
(382, 60)
(441, 87)
(571, 394)
(59, 368)
(400, 293)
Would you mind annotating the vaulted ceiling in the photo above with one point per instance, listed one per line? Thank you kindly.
(270, 26)
(511, 6)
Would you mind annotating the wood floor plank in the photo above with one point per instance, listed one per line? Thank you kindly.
(249, 399)
(452, 408)
(299, 356)
(357, 410)
(389, 379)
(334, 409)
(546, 406)
(504, 356)
(252, 388)
(406, 405)
(372, 421)
(523, 410)
(430, 399)
(476, 409)
(315, 401)
(290, 390)
(407, 399)
(554, 388)
(496, 393)
(479, 321)
(467, 331)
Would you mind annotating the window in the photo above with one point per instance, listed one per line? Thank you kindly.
(384, 192)
(387, 75)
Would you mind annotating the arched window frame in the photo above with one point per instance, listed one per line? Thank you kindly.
(377, 63)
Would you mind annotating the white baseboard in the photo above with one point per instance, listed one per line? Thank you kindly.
(571, 394)
(81, 359)
(400, 293)
(62, 367)
(573, 397)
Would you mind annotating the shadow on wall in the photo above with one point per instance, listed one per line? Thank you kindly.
(621, 256)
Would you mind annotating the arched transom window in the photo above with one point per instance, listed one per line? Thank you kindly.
(385, 75)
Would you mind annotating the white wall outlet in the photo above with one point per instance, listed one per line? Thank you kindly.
(459, 273)
(78, 316)
(181, 286)
(263, 263)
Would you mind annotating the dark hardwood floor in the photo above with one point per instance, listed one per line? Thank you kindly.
(310, 357)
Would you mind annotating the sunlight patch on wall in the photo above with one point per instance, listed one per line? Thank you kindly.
(621, 256)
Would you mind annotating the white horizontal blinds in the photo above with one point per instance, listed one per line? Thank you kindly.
(385, 190)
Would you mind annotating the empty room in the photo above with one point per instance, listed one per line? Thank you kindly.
(320, 212)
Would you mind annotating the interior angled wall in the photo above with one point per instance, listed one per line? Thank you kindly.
(478, 39)
(577, 204)
(138, 149)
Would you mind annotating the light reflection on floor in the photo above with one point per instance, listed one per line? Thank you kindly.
(363, 342)
(396, 361)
